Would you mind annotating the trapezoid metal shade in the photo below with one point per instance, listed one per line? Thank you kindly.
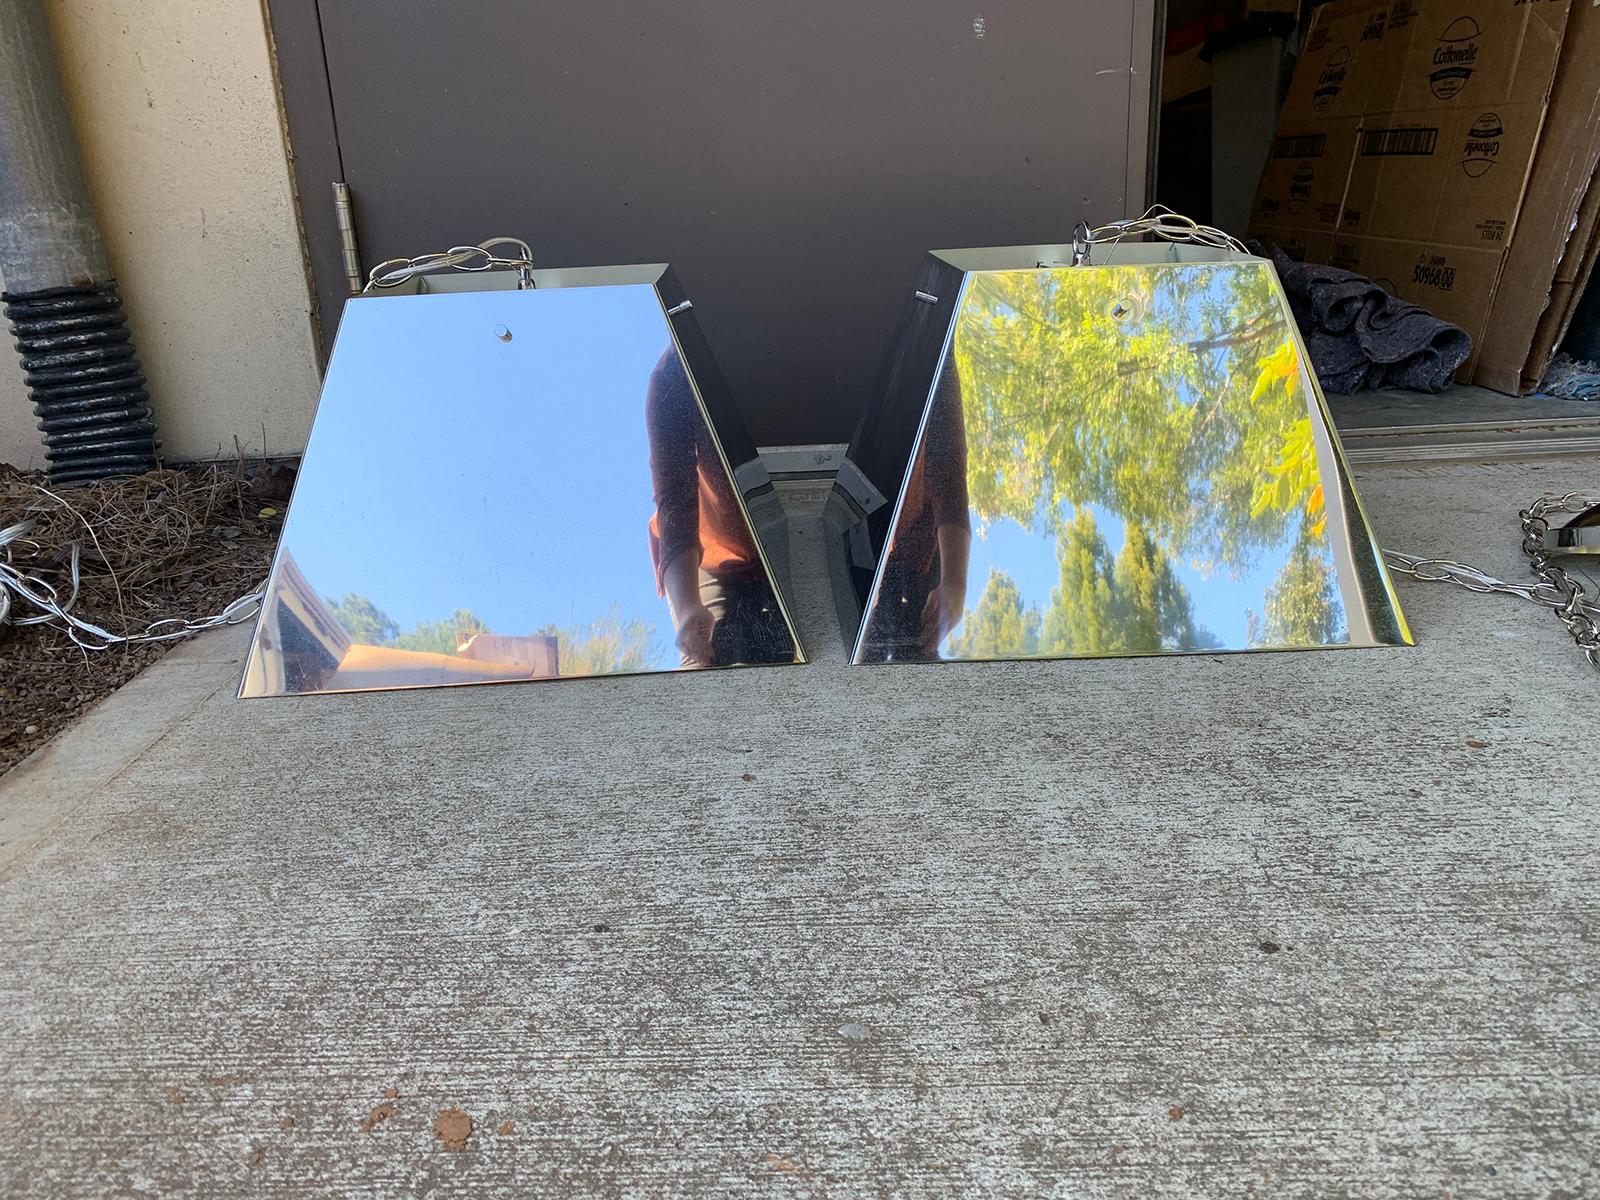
(1123, 458)
(513, 484)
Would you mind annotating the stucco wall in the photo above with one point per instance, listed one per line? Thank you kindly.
(178, 125)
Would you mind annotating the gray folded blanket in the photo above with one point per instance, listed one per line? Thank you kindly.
(1359, 336)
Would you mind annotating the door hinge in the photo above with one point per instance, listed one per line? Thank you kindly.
(344, 214)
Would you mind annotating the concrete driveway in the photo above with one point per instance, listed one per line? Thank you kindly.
(1314, 925)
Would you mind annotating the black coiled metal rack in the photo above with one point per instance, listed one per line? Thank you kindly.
(84, 378)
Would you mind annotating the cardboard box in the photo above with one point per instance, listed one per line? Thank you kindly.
(1553, 253)
(1453, 177)
(1308, 168)
(1431, 122)
(1365, 57)
(1573, 271)
(1451, 282)
(1297, 243)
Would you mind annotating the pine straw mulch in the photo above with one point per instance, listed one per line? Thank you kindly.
(182, 542)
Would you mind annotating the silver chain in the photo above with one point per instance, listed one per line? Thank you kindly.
(395, 271)
(43, 595)
(1158, 222)
(1577, 605)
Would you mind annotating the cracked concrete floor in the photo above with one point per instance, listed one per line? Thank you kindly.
(1274, 925)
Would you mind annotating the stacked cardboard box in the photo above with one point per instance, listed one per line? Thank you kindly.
(1444, 148)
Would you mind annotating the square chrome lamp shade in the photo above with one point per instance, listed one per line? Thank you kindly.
(1127, 456)
(510, 483)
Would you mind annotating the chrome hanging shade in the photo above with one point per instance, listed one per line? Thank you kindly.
(520, 474)
(1104, 449)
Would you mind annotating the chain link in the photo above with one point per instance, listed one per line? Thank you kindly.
(1575, 604)
(1159, 222)
(395, 271)
(38, 592)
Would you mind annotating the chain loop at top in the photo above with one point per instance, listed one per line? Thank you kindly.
(1157, 221)
(395, 271)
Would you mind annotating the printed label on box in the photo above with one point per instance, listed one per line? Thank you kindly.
(1453, 177)
(1363, 58)
(1304, 179)
(1454, 284)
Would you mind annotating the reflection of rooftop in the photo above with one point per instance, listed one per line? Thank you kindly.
(297, 599)
(366, 666)
(297, 636)
(538, 654)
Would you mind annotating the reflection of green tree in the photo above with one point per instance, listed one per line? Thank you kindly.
(442, 637)
(1000, 626)
(1082, 618)
(1190, 423)
(604, 646)
(609, 644)
(1302, 607)
(1157, 611)
(363, 620)
(1133, 604)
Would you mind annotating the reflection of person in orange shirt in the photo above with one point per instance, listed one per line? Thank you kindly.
(706, 561)
(923, 593)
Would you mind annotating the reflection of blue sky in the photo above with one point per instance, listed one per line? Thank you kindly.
(449, 469)
(1029, 558)
(1220, 598)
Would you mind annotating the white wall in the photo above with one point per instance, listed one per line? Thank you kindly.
(177, 122)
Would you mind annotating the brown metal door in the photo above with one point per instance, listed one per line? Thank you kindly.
(793, 161)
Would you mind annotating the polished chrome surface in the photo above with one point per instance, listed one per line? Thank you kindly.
(1581, 535)
(1115, 459)
(510, 485)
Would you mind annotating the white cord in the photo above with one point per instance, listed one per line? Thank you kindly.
(42, 594)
